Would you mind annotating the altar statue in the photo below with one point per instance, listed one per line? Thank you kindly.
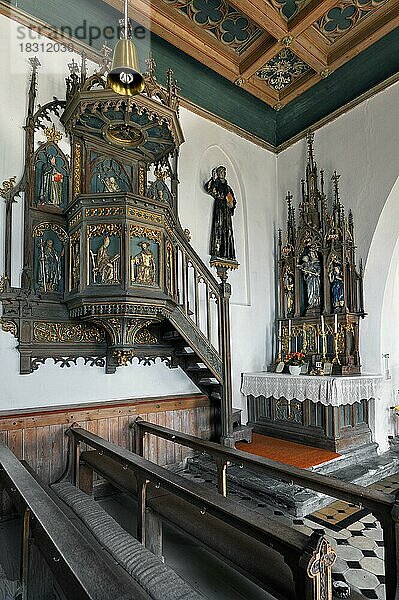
(311, 269)
(222, 237)
(337, 286)
(289, 293)
(144, 262)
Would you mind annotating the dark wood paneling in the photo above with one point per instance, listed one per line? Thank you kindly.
(39, 436)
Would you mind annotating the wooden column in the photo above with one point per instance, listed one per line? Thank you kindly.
(225, 350)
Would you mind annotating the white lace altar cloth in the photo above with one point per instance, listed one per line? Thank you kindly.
(330, 391)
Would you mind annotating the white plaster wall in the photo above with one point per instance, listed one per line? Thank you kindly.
(252, 175)
(362, 146)
(251, 172)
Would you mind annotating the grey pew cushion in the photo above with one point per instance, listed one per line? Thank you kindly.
(159, 580)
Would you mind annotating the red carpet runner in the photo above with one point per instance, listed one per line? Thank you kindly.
(290, 453)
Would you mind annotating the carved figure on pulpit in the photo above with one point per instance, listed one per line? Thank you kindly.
(104, 265)
(289, 293)
(222, 236)
(337, 286)
(111, 185)
(143, 268)
(50, 266)
(51, 178)
(311, 270)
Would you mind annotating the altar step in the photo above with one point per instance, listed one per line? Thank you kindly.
(363, 467)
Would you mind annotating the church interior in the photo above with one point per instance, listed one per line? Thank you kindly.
(199, 273)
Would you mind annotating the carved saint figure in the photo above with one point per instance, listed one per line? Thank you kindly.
(143, 268)
(311, 269)
(104, 265)
(289, 293)
(111, 185)
(222, 237)
(51, 183)
(337, 286)
(50, 266)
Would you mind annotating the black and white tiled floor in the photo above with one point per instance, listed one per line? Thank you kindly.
(359, 546)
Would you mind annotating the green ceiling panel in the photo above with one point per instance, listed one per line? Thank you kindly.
(371, 67)
(212, 92)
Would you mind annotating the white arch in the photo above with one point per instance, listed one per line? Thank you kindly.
(380, 329)
(374, 331)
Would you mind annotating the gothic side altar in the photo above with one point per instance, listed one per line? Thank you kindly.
(335, 413)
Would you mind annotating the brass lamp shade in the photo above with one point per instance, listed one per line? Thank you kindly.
(125, 77)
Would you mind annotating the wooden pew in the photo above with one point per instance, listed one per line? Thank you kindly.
(81, 568)
(279, 559)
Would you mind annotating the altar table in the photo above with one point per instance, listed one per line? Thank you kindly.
(327, 412)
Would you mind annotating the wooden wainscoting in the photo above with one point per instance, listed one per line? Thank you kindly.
(38, 436)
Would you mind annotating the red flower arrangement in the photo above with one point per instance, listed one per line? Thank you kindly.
(295, 359)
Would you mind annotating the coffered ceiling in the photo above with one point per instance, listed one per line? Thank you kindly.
(274, 49)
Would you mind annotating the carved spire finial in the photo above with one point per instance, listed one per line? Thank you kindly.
(73, 67)
(310, 142)
(83, 68)
(35, 62)
(106, 61)
(335, 180)
(151, 66)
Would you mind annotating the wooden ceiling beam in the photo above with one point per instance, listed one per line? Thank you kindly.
(309, 53)
(267, 17)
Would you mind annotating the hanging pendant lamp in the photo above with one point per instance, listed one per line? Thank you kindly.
(125, 77)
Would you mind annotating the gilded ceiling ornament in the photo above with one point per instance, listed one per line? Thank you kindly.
(53, 136)
(7, 186)
(287, 40)
(281, 70)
